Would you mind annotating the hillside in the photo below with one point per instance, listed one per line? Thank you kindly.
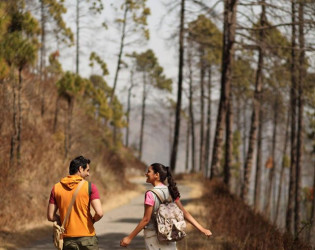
(234, 224)
(26, 183)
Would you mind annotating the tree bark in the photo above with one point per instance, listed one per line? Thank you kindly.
(229, 141)
(268, 209)
(13, 137)
(77, 70)
(121, 49)
(179, 89)
(299, 155)
(191, 114)
(42, 57)
(187, 145)
(208, 128)
(56, 114)
(19, 125)
(282, 167)
(202, 96)
(144, 96)
(257, 188)
(230, 7)
(289, 212)
(129, 108)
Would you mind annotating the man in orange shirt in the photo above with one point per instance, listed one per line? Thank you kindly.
(79, 230)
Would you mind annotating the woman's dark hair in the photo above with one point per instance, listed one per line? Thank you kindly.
(165, 172)
(76, 163)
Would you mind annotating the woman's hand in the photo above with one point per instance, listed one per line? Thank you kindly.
(206, 232)
(125, 242)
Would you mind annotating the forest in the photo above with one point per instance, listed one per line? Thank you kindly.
(231, 97)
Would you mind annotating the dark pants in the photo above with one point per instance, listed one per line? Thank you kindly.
(80, 243)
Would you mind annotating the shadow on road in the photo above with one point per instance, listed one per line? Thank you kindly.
(111, 241)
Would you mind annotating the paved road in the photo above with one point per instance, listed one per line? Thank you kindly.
(116, 224)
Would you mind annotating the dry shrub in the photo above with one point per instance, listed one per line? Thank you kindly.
(235, 225)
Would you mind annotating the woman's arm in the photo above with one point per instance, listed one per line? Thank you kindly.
(145, 220)
(192, 220)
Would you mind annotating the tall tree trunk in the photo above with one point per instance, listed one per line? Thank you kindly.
(121, 49)
(19, 125)
(179, 89)
(268, 209)
(230, 7)
(191, 113)
(13, 137)
(202, 96)
(144, 96)
(208, 128)
(68, 126)
(299, 155)
(286, 139)
(42, 57)
(229, 141)
(129, 108)
(289, 212)
(77, 70)
(255, 113)
(187, 145)
(258, 174)
(56, 113)
(312, 218)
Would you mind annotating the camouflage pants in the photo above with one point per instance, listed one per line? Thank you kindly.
(80, 243)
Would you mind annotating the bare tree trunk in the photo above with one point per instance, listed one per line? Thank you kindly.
(56, 114)
(257, 188)
(13, 137)
(144, 96)
(179, 89)
(68, 126)
(187, 145)
(77, 70)
(19, 125)
(42, 57)
(202, 96)
(299, 155)
(289, 212)
(282, 167)
(129, 107)
(255, 114)
(121, 49)
(312, 226)
(268, 209)
(230, 7)
(208, 128)
(191, 114)
(229, 141)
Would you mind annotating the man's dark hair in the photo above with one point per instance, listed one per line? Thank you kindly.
(76, 163)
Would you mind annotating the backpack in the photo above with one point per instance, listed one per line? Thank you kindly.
(169, 219)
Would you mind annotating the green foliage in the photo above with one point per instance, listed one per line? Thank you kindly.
(139, 14)
(56, 9)
(147, 63)
(243, 77)
(71, 85)
(102, 64)
(275, 42)
(54, 65)
(204, 32)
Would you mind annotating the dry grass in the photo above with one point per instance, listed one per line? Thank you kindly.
(234, 224)
(25, 187)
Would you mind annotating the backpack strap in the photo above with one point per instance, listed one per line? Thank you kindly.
(90, 189)
(160, 197)
(74, 196)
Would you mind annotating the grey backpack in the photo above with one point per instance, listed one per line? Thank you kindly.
(170, 222)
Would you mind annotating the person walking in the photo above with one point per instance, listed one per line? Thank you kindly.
(156, 175)
(79, 230)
